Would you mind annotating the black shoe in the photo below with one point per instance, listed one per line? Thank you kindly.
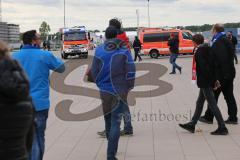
(188, 126)
(220, 132)
(180, 70)
(172, 73)
(102, 134)
(126, 133)
(230, 121)
(203, 119)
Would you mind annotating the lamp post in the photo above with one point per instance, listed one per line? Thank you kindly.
(64, 5)
(0, 10)
(137, 12)
(149, 22)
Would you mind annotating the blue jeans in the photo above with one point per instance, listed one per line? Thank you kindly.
(127, 118)
(173, 59)
(39, 137)
(113, 107)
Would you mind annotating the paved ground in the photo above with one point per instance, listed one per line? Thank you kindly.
(153, 140)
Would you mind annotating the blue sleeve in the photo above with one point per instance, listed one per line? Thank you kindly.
(131, 70)
(54, 63)
(96, 67)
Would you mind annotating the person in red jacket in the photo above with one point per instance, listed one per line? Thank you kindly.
(128, 129)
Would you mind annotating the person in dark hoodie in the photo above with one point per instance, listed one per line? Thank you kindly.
(207, 82)
(173, 44)
(137, 45)
(16, 110)
(124, 41)
(113, 70)
(223, 53)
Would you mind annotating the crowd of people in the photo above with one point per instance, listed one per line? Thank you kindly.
(24, 87)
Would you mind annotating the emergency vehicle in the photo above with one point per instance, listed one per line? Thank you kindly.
(75, 41)
(155, 41)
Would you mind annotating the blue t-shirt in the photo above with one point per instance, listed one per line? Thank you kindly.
(37, 65)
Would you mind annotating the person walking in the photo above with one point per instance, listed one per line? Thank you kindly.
(173, 44)
(49, 45)
(137, 46)
(225, 70)
(207, 83)
(16, 109)
(113, 70)
(45, 45)
(121, 35)
(37, 65)
(234, 41)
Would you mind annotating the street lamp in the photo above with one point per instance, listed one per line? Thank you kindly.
(64, 5)
(0, 10)
(137, 12)
(149, 23)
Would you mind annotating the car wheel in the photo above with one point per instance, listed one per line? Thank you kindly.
(154, 54)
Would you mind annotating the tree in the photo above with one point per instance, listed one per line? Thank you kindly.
(207, 27)
(96, 31)
(44, 30)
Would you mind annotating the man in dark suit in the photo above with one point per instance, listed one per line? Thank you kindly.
(223, 54)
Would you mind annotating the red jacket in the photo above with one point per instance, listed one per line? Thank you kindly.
(123, 37)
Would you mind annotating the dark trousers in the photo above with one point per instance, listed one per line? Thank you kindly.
(137, 55)
(113, 108)
(127, 118)
(173, 59)
(227, 90)
(207, 94)
(235, 56)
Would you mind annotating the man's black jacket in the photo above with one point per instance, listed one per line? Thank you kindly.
(223, 54)
(173, 44)
(137, 44)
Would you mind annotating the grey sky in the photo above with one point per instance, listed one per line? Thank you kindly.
(95, 14)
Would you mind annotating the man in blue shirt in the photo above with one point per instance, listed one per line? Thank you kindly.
(37, 65)
(113, 70)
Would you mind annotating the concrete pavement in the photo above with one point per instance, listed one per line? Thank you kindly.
(155, 120)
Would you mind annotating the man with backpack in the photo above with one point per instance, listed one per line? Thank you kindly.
(113, 70)
(121, 35)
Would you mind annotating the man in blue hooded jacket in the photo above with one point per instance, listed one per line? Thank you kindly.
(113, 70)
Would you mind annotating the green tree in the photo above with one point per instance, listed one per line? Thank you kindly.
(44, 30)
(96, 30)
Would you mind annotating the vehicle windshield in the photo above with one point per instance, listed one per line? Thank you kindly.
(74, 36)
(187, 35)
